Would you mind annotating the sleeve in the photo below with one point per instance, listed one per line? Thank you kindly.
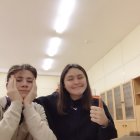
(109, 132)
(37, 123)
(10, 120)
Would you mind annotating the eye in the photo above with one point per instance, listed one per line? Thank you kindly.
(18, 80)
(30, 81)
(69, 78)
(80, 77)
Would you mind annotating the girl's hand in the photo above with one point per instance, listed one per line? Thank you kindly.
(31, 95)
(12, 91)
(98, 115)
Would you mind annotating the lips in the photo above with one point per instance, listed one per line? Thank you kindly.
(77, 87)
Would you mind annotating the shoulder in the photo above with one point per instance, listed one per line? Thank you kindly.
(49, 103)
(46, 99)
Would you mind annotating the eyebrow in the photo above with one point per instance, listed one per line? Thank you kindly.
(20, 77)
(69, 76)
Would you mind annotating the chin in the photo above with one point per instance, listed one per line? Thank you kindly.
(78, 94)
(23, 95)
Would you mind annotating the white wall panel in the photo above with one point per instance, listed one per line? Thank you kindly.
(98, 86)
(98, 70)
(114, 78)
(131, 45)
(132, 69)
(113, 60)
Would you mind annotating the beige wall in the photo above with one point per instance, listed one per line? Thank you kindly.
(45, 84)
(119, 65)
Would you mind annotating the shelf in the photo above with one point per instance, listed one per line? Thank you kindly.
(136, 84)
(136, 88)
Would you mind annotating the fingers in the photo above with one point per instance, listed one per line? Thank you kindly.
(12, 91)
(97, 115)
(32, 94)
(94, 119)
(95, 111)
(10, 82)
(14, 83)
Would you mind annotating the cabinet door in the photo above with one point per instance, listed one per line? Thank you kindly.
(110, 103)
(125, 127)
(130, 126)
(118, 103)
(120, 126)
(128, 101)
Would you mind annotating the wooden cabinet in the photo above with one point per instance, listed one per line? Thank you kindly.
(121, 101)
(124, 109)
(125, 127)
(136, 88)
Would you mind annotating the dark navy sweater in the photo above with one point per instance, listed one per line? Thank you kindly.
(76, 125)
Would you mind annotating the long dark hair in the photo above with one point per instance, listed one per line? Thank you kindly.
(64, 95)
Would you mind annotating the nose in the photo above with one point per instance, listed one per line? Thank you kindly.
(24, 83)
(76, 81)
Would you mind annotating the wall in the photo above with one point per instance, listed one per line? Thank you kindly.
(119, 65)
(45, 84)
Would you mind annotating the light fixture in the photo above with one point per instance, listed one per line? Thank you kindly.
(47, 63)
(64, 12)
(54, 44)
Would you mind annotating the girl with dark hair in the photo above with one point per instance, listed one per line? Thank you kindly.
(20, 118)
(74, 114)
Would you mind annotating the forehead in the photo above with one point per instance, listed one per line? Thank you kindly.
(74, 71)
(24, 73)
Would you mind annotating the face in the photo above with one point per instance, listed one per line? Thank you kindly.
(75, 83)
(24, 82)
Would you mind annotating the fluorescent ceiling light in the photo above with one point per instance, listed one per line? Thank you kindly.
(65, 10)
(61, 24)
(53, 46)
(47, 63)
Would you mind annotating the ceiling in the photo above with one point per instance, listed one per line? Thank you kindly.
(96, 26)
